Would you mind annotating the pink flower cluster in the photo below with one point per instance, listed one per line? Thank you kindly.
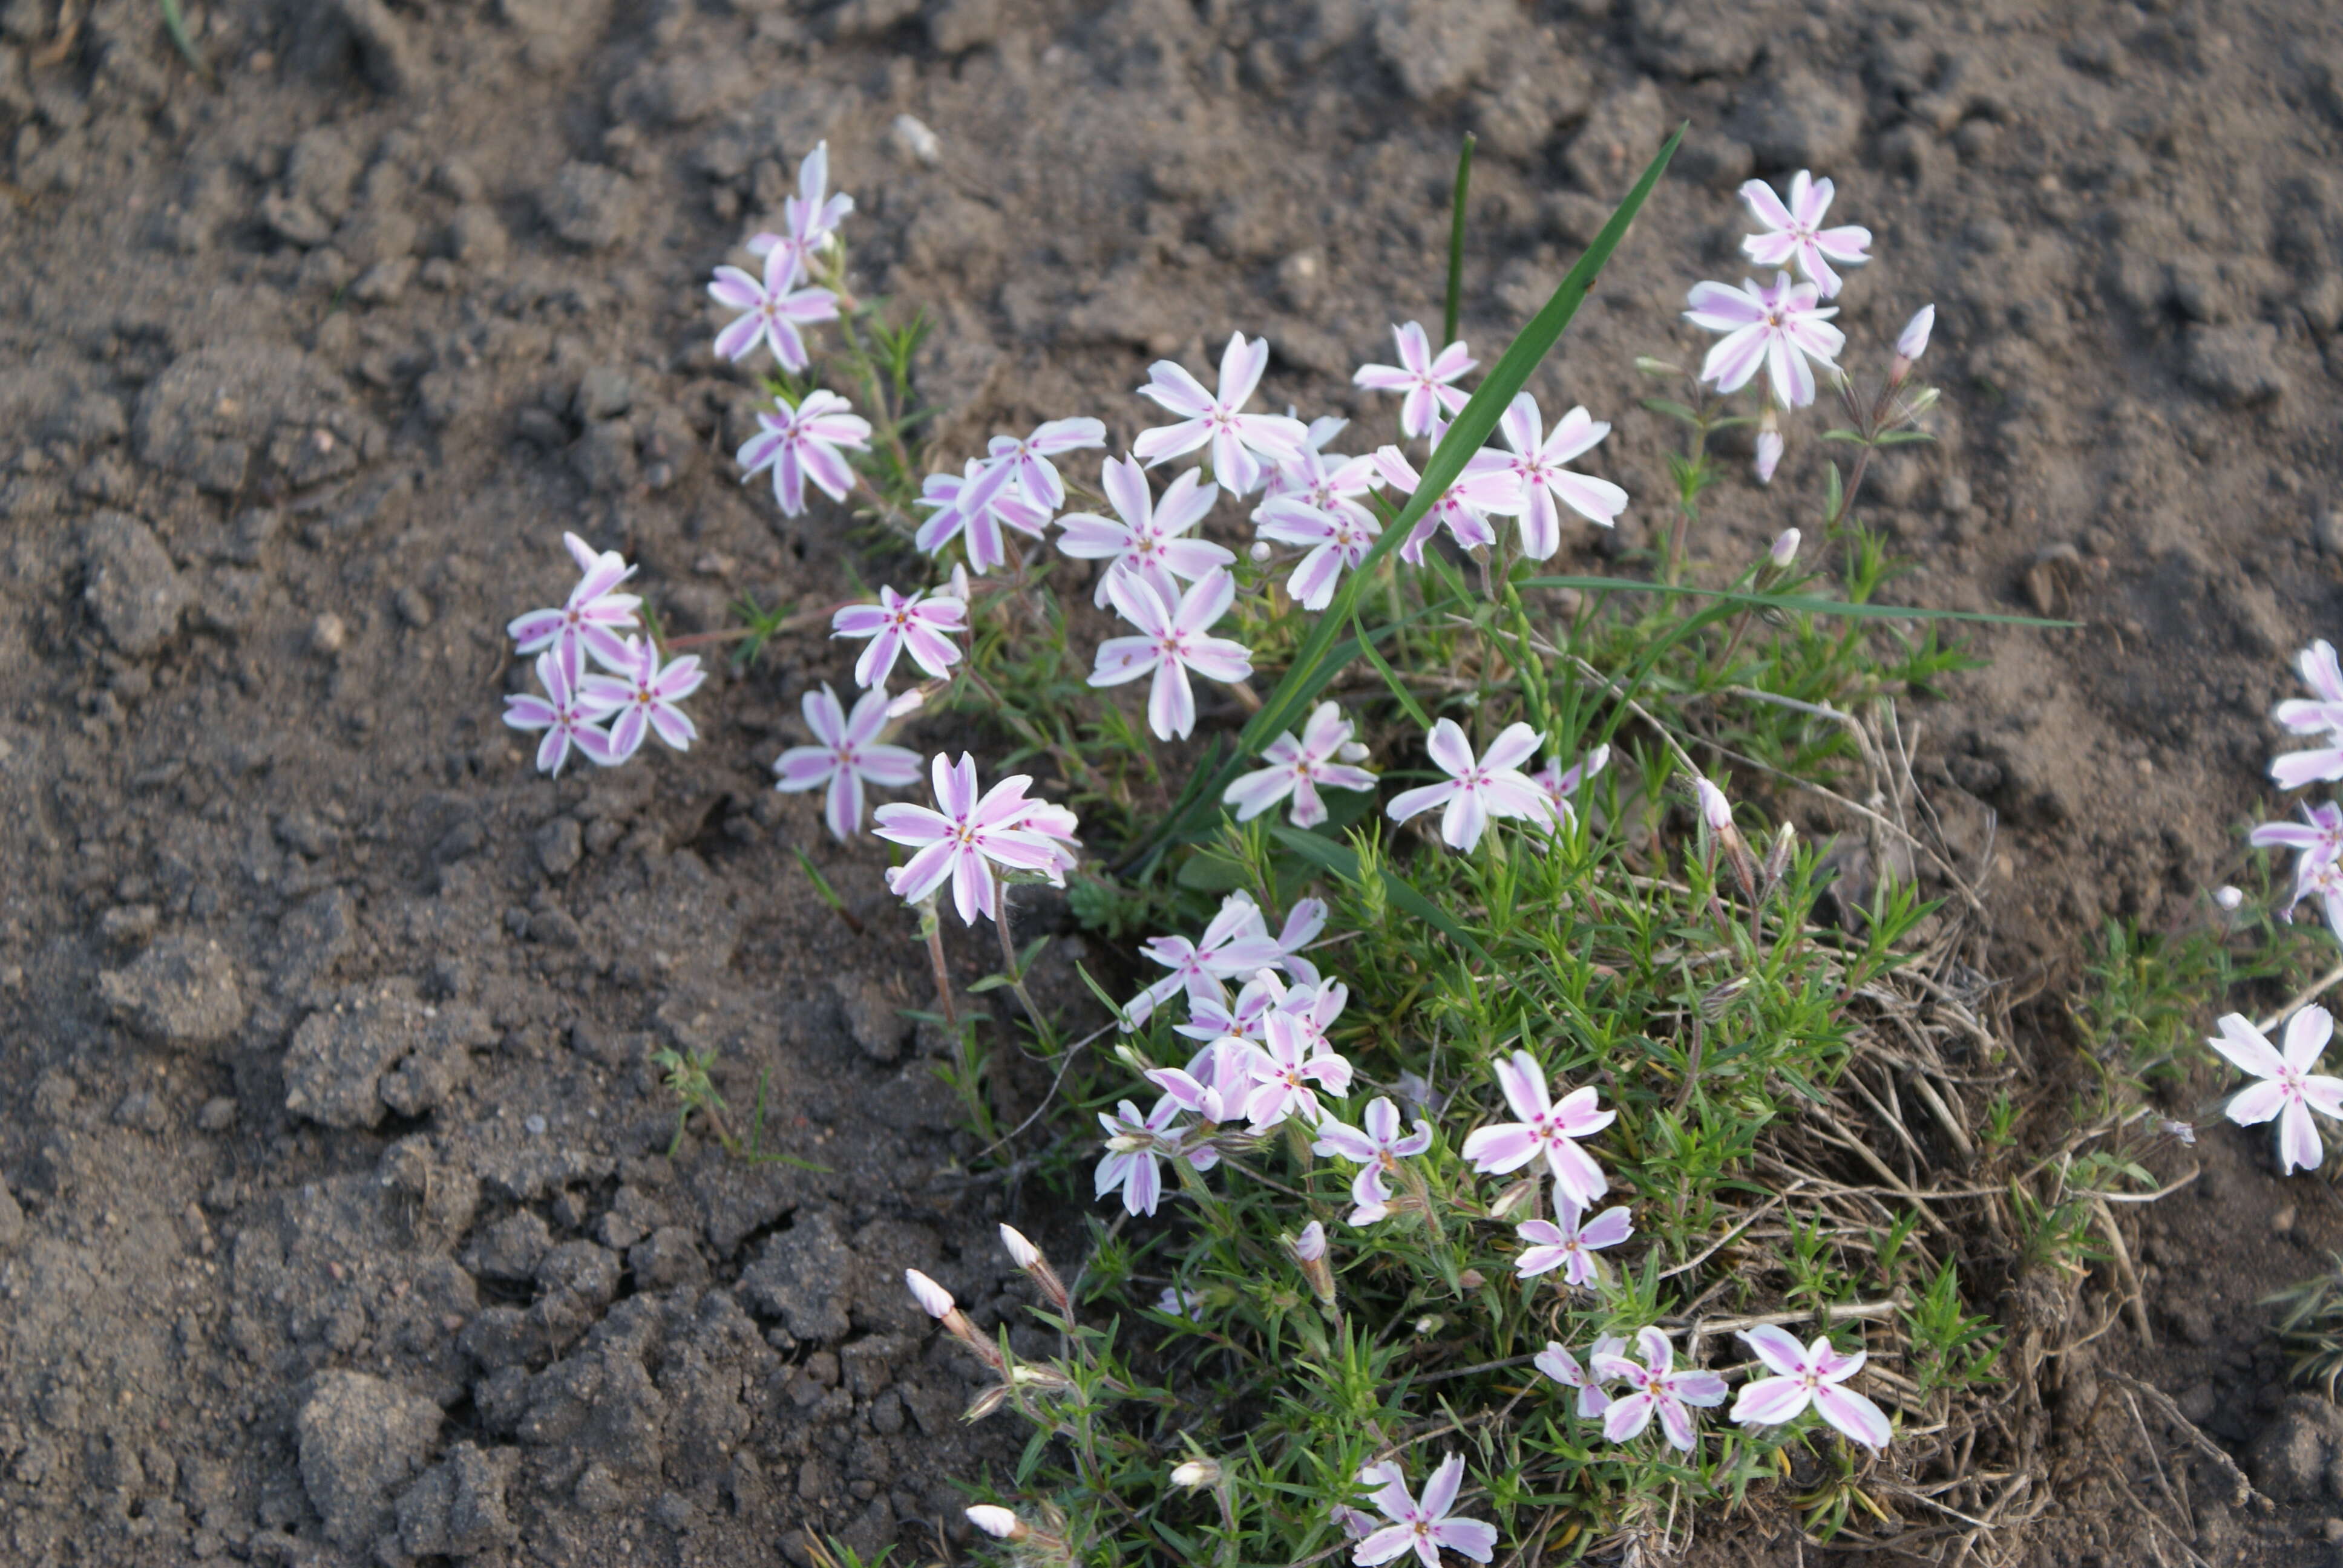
(602, 716)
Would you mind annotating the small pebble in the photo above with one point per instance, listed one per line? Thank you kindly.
(912, 137)
(2283, 1220)
(327, 634)
(535, 1125)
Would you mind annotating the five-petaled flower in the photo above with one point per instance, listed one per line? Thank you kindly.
(1560, 783)
(1796, 235)
(1288, 1074)
(1563, 1367)
(805, 442)
(975, 505)
(966, 838)
(1656, 1386)
(2320, 844)
(1422, 377)
(2322, 715)
(1027, 460)
(1241, 442)
(1377, 1146)
(2289, 1091)
(590, 621)
(1426, 1525)
(1174, 640)
(1492, 785)
(1301, 767)
(1134, 1143)
(772, 309)
(1237, 942)
(569, 712)
(920, 626)
(810, 218)
(1149, 538)
(1545, 1128)
(643, 694)
(1532, 477)
(1776, 327)
(1563, 1242)
(1338, 539)
(1464, 507)
(1804, 1375)
(847, 757)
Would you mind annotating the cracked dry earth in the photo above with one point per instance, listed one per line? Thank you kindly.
(339, 1224)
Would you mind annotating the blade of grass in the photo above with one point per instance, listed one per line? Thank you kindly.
(1456, 246)
(1803, 604)
(1312, 668)
(175, 22)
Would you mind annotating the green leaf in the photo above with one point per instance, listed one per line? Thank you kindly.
(1898, 438)
(1382, 667)
(1313, 666)
(1341, 859)
(1672, 409)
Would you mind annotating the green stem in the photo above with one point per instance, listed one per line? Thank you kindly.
(1456, 246)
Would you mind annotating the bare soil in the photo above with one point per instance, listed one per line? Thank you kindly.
(343, 1227)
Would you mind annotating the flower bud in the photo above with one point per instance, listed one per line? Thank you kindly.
(1022, 1253)
(985, 1403)
(2228, 897)
(1651, 366)
(1197, 1474)
(997, 1523)
(910, 701)
(933, 1299)
(1785, 548)
(1785, 844)
(1350, 751)
(1913, 343)
(1715, 808)
(1311, 1245)
(1471, 1278)
(1769, 454)
(1511, 1197)
(2184, 1131)
(959, 588)
(1260, 551)
(1025, 1374)
(1028, 1257)
(1308, 1249)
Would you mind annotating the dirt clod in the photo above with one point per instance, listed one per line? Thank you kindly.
(182, 991)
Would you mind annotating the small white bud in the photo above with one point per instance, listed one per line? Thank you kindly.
(1786, 547)
(1258, 552)
(1197, 1473)
(913, 140)
(1769, 455)
(1913, 343)
(1715, 808)
(1311, 1245)
(1350, 751)
(997, 1523)
(910, 701)
(2228, 897)
(2182, 1131)
(933, 1299)
(959, 588)
(1022, 1253)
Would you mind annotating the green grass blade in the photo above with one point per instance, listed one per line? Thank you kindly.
(1456, 247)
(1796, 604)
(175, 22)
(1341, 859)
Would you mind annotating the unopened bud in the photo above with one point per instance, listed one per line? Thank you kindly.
(933, 1299)
(1197, 1474)
(1471, 1278)
(1513, 1197)
(1651, 366)
(1769, 455)
(1350, 751)
(1129, 1142)
(1715, 808)
(2182, 1131)
(1308, 1249)
(1914, 342)
(910, 701)
(2228, 897)
(1022, 1253)
(1025, 1374)
(1311, 1245)
(1258, 552)
(997, 1523)
(959, 588)
(1786, 547)
(1028, 1257)
(1785, 844)
(985, 1403)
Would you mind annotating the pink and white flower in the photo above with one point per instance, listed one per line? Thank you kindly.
(1301, 767)
(1560, 783)
(644, 695)
(1913, 341)
(1559, 1364)
(975, 505)
(1463, 508)
(1534, 481)
(590, 621)
(1376, 1146)
(1149, 540)
(1337, 539)
(1241, 443)
(2319, 842)
(966, 839)
(848, 757)
(1237, 942)
(1027, 460)
(807, 442)
(1288, 1074)
(1134, 1146)
(922, 624)
(567, 712)
(1795, 233)
(2322, 716)
(1308, 484)
(2289, 1090)
(1807, 1375)
(1546, 1128)
(1215, 1083)
(772, 309)
(1778, 327)
(809, 219)
(1563, 1243)
(1656, 1387)
(1174, 640)
(1477, 789)
(1422, 377)
(1425, 1526)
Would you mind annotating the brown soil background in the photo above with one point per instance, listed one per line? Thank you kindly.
(341, 1227)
